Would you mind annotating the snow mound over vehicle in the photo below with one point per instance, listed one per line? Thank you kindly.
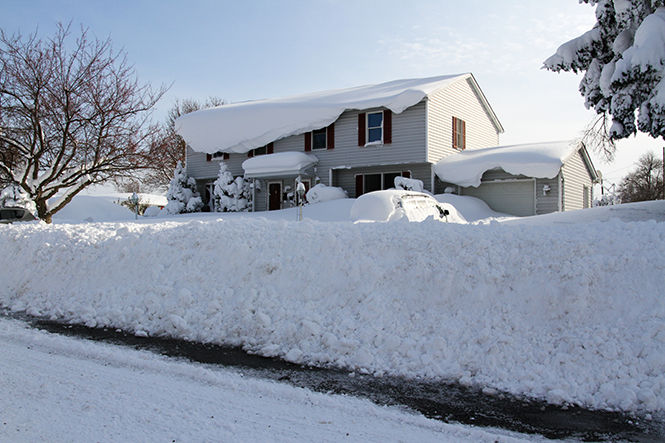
(394, 205)
(321, 193)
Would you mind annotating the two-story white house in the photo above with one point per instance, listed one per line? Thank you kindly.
(358, 139)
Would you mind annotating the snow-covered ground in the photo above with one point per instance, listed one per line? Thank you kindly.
(57, 388)
(569, 310)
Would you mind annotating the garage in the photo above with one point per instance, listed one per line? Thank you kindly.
(515, 197)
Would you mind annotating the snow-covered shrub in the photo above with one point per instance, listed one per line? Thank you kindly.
(152, 211)
(182, 195)
(409, 184)
(231, 194)
(14, 196)
(322, 193)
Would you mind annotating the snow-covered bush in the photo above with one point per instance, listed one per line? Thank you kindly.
(322, 193)
(14, 196)
(182, 195)
(409, 184)
(231, 194)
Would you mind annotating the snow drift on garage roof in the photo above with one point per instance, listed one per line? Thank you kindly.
(279, 164)
(240, 127)
(541, 160)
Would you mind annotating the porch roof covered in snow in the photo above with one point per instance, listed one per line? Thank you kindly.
(281, 164)
(540, 160)
(240, 127)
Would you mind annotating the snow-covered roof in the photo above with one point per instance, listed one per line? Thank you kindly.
(240, 127)
(278, 165)
(541, 160)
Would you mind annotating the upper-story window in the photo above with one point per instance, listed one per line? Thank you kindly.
(459, 133)
(319, 139)
(374, 127)
(263, 150)
(220, 155)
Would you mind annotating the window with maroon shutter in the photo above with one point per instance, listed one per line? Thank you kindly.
(330, 136)
(359, 185)
(271, 148)
(308, 141)
(459, 133)
(361, 129)
(387, 126)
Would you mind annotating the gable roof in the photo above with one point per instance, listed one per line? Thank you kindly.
(240, 127)
(540, 160)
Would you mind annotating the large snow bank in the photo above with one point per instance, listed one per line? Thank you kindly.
(94, 208)
(395, 205)
(281, 163)
(570, 313)
(240, 127)
(542, 160)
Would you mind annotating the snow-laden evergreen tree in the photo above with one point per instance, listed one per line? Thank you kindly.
(182, 195)
(623, 60)
(231, 194)
(14, 196)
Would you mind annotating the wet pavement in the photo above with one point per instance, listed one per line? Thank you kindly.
(449, 402)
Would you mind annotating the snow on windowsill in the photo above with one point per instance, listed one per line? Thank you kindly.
(378, 143)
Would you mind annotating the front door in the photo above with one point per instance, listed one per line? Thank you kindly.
(274, 196)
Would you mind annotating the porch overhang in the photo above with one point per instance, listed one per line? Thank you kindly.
(280, 165)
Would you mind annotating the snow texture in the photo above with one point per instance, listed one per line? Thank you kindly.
(231, 194)
(279, 164)
(541, 160)
(240, 127)
(321, 193)
(159, 399)
(409, 184)
(564, 307)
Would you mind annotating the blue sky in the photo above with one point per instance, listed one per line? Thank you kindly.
(242, 50)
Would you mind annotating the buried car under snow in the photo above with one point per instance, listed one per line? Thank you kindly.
(11, 214)
(393, 205)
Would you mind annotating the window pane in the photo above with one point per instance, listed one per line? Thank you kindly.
(375, 135)
(260, 151)
(319, 139)
(374, 120)
(389, 179)
(372, 182)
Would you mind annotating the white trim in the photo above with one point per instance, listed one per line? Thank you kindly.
(535, 197)
(330, 177)
(427, 133)
(253, 195)
(560, 195)
(268, 194)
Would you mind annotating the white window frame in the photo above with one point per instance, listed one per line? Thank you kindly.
(383, 178)
(367, 128)
(325, 143)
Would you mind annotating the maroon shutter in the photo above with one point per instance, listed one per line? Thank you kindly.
(330, 136)
(250, 153)
(463, 134)
(359, 185)
(387, 126)
(361, 129)
(406, 174)
(454, 132)
(271, 148)
(227, 156)
(208, 157)
(308, 141)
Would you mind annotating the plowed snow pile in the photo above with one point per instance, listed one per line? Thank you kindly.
(570, 313)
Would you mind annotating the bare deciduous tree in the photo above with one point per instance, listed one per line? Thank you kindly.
(645, 182)
(72, 113)
(168, 148)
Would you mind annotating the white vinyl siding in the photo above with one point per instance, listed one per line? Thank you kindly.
(575, 178)
(458, 100)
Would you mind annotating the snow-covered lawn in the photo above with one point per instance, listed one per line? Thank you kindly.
(56, 388)
(569, 310)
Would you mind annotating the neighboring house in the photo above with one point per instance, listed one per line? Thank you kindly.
(358, 139)
(525, 179)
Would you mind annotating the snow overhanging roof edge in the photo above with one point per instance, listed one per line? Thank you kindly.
(240, 127)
